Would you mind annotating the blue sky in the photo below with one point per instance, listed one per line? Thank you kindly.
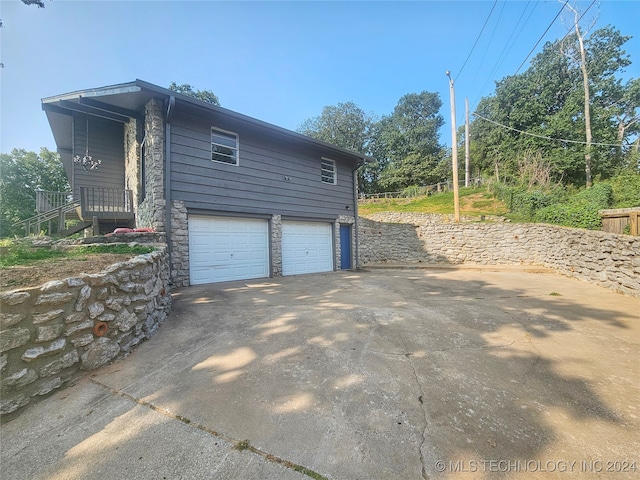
(280, 62)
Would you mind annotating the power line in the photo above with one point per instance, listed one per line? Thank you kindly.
(542, 36)
(571, 29)
(475, 114)
(476, 42)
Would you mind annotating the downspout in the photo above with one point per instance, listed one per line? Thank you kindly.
(355, 210)
(167, 174)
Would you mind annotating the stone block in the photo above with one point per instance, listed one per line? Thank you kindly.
(95, 309)
(48, 333)
(53, 368)
(83, 298)
(78, 327)
(46, 317)
(11, 404)
(103, 294)
(20, 379)
(82, 340)
(99, 353)
(132, 343)
(13, 338)
(53, 285)
(37, 352)
(114, 304)
(14, 298)
(48, 385)
(75, 317)
(106, 317)
(9, 319)
(125, 321)
(54, 298)
(75, 282)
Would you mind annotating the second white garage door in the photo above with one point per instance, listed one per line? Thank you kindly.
(223, 249)
(306, 248)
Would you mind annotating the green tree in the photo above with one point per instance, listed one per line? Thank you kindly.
(407, 142)
(204, 95)
(21, 174)
(346, 125)
(548, 100)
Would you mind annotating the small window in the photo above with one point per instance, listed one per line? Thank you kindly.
(328, 171)
(224, 146)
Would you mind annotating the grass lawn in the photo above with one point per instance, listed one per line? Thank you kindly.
(18, 254)
(473, 201)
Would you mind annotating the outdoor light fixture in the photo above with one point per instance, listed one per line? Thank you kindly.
(87, 161)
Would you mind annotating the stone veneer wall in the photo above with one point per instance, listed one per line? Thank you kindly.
(151, 212)
(179, 244)
(132, 140)
(606, 259)
(52, 332)
(276, 245)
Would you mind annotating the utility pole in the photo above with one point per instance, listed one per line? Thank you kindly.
(454, 149)
(467, 161)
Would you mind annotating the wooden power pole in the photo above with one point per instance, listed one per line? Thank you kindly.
(467, 162)
(454, 150)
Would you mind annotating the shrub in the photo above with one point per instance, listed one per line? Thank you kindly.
(626, 191)
(526, 202)
(581, 211)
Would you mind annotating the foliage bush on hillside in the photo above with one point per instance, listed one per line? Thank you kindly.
(626, 191)
(581, 211)
(525, 202)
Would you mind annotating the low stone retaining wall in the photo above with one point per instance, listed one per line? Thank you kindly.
(607, 259)
(52, 332)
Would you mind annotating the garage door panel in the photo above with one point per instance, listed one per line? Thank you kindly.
(307, 247)
(223, 249)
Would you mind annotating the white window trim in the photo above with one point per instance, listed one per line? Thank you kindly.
(335, 171)
(237, 149)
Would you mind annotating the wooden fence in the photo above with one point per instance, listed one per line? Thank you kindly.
(616, 220)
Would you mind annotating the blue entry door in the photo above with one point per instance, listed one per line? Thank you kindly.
(345, 247)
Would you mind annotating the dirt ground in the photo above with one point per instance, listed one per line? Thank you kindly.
(12, 278)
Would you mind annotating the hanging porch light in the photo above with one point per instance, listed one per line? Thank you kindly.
(87, 161)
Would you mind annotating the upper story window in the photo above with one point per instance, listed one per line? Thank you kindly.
(224, 146)
(328, 171)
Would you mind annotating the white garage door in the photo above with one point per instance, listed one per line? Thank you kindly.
(223, 249)
(306, 248)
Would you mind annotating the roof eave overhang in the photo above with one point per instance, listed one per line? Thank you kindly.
(60, 108)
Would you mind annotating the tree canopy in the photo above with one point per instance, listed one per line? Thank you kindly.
(204, 95)
(21, 174)
(548, 101)
(405, 144)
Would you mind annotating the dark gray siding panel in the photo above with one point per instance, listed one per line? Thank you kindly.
(106, 142)
(274, 176)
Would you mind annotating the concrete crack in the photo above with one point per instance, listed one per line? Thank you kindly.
(423, 471)
(239, 445)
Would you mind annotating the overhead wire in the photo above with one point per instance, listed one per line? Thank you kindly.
(476, 114)
(542, 36)
(477, 39)
(493, 32)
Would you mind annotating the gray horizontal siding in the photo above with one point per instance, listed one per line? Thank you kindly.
(106, 142)
(258, 183)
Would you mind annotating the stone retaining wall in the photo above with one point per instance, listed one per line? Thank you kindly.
(52, 332)
(606, 259)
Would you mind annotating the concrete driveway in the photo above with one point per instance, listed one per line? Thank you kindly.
(381, 374)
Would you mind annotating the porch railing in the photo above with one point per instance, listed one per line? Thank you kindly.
(46, 201)
(114, 203)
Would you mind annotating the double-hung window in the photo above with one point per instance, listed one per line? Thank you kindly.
(328, 171)
(224, 146)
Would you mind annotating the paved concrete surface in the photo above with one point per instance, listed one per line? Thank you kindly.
(381, 374)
